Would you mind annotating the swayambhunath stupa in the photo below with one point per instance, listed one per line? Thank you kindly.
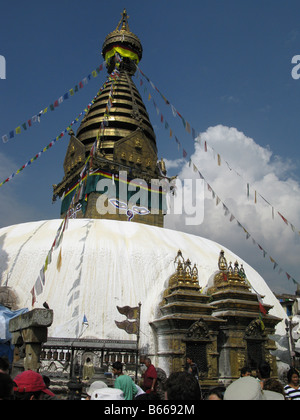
(122, 286)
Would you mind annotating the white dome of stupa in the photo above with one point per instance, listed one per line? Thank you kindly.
(105, 264)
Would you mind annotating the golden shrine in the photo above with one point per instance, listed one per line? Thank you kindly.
(222, 330)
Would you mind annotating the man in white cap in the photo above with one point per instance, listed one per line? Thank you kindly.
(95, 386)
(107, 394)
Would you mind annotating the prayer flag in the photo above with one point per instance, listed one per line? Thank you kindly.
(130, 313)
(129, 327)
(5, 138)
(33, 300)
(188, 127)
(261, 305)
(85, 321)
(18, 130)
(283, 218)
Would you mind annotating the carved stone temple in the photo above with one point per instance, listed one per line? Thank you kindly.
(221, 329)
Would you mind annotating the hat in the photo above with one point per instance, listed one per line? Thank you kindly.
(30, 381)
(107, 394)
(246, 388)
(95, 385)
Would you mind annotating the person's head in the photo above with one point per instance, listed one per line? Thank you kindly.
(264, 370)
(182, 386)
(4, 365)
(29, 385)
(248, 388)
(216, 394)
(117, 368)
(293, 377)
(245, 371)
(273, 385)
(6, 387)
(97, 385)
(147, 362)
(189, 360)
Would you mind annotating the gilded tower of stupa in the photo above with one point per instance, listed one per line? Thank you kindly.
(111, 168)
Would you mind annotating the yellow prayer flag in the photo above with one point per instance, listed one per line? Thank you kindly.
(187, 127)
(94, 73)
(71, 92)
(18, 130)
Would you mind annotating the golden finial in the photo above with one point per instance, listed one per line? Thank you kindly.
(222, 262)
(124, 22)
(195, 274)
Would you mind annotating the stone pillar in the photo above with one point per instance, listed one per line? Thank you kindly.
(32, 328)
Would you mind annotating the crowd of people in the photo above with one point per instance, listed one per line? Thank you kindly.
(179, 386)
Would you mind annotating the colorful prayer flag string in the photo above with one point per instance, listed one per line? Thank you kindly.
(51, 144)
(197, 138)
(55, 104)
(227, 211)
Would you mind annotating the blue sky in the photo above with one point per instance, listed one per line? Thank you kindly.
(223, 63)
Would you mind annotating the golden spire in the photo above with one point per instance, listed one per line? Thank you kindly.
(125, 43)
(222, 262)
(124, 22)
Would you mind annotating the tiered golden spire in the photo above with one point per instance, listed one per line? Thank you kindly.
(228, 275)
(185, 274)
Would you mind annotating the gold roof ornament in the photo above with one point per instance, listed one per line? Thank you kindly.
(125, 43)
(184, 274)
(229, 276)
(222, 262)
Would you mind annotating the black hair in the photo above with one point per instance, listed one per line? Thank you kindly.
(290, 373)
(118, 366)
(4, 364)
(182, 386)
(219, 391)
(245, 369)
(265, 370)
(6, 387)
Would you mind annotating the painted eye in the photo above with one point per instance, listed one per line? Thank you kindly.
(118, 204)
(142, 211)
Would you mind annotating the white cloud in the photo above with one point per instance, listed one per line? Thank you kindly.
(270, 176)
